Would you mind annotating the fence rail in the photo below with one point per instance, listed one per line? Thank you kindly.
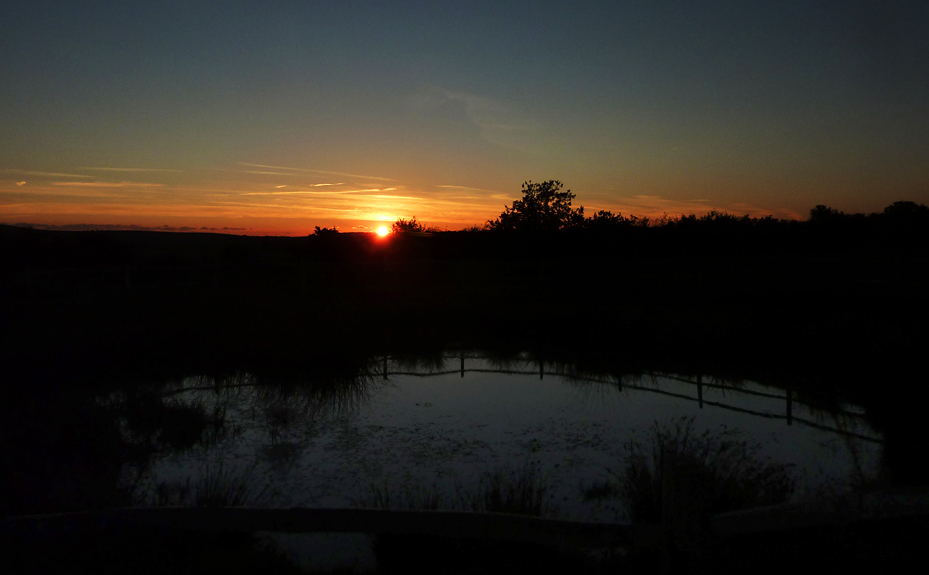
(788, 416)
(788, 398)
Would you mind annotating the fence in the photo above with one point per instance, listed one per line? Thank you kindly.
(788, 415)
(788, 398)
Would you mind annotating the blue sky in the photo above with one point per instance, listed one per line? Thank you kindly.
(208, 113)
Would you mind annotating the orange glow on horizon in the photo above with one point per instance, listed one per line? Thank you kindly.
(238, 201)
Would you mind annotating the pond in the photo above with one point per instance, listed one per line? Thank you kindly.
(397, 431)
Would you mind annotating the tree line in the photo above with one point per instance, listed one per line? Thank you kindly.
(544, 207)
(545, 212)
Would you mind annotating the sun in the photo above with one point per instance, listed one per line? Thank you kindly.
(382, 231)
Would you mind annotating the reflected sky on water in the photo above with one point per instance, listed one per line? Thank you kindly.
(428, 424)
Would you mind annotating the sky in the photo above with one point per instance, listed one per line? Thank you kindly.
(276, 117)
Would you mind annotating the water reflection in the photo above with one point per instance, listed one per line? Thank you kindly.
(443, 422)
(324, 433)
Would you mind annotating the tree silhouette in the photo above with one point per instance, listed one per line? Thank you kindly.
(410, 225)
(909, 212)
(543, 207)
(824, 215)
(607, 220)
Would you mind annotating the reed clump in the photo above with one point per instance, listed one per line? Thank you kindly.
(520, 491)
(216, 486)
(678, 475)
(523, 490)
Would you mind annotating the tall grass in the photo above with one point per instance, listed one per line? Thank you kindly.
(519, 491)
(678, 475)
(216, 486)
(420, 497)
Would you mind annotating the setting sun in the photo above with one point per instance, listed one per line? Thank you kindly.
(382, 231)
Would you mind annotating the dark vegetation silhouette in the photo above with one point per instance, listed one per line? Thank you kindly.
(543, 207)
(520, 491)
(217, 486)
(678, 475)
(410, 225)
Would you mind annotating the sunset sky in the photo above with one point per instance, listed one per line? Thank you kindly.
(275, 117)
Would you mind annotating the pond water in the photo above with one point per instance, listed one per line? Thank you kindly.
(397, 426)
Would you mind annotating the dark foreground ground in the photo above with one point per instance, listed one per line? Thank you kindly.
(84, 312)
(878, 547)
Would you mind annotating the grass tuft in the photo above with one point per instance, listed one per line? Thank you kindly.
(521, 491)
(517, 491)
(216, 486)
(679, 475)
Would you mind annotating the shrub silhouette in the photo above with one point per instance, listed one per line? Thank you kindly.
(410, 225)
(907, 211)
(825, 215)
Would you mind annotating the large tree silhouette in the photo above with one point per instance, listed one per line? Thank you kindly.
(543, 207)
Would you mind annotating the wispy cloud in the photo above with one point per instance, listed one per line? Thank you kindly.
(108, 184)
(316, 171)
(55, 193)
(129, 169)
(20, 183)
(393, 197)
(46, 174)
(498, 122)
(447, 186)
(288, 206)
(126, 227)
(266, 173)
(316, 192)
